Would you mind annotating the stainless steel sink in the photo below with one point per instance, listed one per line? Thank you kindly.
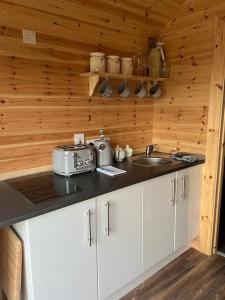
(152, 161)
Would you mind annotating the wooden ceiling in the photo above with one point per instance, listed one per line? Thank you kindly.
(118, 21)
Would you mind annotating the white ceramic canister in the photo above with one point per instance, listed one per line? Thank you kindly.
(97, 62)
(119, 153)
(113, 64)
(129, 151)
(127, 66)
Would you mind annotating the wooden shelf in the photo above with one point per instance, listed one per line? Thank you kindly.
(94, 79)
(121, 76)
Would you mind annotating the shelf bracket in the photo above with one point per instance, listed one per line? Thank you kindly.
(93, 81)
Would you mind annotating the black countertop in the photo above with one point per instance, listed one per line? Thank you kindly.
(32, 195)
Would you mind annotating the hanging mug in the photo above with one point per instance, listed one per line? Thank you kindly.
(123, 89)
(155, 91)
(105, 89)
(141, 90)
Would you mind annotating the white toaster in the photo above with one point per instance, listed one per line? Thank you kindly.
(73, 159)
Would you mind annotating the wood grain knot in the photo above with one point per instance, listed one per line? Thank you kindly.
(219, 86)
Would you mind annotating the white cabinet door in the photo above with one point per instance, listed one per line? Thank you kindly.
(119, 230)
(187, 205)
(158, 219)
(62, 260)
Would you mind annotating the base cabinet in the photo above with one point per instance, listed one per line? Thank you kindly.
(187, 205)
(60, 263)
(61, 248)
(119, 230)
(158, 219)
(96, 248)
(171, 213)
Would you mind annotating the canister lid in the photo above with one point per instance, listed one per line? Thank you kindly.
(126, 58)
(113, 57)
(101, 54)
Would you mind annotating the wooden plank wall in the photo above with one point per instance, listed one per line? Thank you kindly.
(180, 120)
(43, 101)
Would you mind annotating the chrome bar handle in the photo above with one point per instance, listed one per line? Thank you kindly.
(183, 187)
(173, 182)
(89, 227)
(107, 229)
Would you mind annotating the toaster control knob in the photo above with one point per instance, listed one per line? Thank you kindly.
(80, 163)
(102, 147)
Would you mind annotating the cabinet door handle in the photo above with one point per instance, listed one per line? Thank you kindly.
(183, 187)
(107, 229)
(89, 227)
(173, 183)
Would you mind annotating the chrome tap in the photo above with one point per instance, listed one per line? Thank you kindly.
(149, 149)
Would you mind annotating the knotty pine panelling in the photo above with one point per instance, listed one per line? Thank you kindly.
(180, 118)
(43, 100)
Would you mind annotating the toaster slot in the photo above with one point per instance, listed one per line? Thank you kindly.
(75, 156)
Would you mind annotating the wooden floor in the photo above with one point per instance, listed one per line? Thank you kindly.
(192, 276)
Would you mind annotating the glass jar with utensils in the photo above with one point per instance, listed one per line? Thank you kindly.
(165, 70)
